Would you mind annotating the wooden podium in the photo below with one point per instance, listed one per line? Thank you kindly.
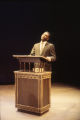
(32, 85)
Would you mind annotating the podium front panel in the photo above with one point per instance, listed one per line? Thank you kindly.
(32, 91)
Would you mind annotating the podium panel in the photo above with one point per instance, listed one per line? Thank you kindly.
(32, 91)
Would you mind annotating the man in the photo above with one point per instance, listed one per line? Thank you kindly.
(44, 48)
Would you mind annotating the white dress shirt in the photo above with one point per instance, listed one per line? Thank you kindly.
(42, 44)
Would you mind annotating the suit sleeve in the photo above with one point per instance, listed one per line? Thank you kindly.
(33, 51)
(52, 53)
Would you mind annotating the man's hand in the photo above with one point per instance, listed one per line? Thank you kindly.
(49, 59)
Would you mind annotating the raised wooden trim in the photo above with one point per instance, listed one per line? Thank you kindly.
(33, 109)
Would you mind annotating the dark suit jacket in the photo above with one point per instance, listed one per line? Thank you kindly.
(48, 51)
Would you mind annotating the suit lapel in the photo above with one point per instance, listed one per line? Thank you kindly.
(38, 48)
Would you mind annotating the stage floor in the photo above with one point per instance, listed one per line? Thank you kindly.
(65, 104)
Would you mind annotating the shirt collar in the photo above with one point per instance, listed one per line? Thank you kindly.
(43, 42)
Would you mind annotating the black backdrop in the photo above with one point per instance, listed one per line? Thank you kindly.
(22, 23)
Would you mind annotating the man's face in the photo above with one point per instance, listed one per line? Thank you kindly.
(45, 36)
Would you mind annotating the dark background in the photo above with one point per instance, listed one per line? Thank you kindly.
(22, 23)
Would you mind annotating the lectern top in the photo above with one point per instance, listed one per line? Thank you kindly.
(30, 58)
(39, 63)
